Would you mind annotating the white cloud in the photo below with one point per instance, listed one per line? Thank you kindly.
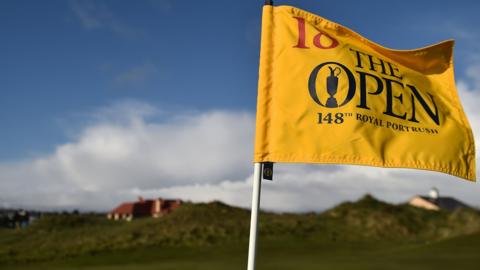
(96, 15)
(316, 187)
(124, 151)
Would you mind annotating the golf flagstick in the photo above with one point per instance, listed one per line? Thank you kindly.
(257, 185)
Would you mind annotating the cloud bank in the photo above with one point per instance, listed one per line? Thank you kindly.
(123, 151)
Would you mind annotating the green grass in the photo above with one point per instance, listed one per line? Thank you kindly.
(287, 253)
(367, 234)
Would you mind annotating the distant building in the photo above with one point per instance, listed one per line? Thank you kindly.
(144, 208)
(434, 202)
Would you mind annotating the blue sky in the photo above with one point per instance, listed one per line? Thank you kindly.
(64, 58)
(72, 68)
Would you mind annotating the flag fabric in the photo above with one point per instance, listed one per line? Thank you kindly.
(328, 95)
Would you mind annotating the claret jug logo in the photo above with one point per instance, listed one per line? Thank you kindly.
(334, 70)
(380, 83)
(332, 85)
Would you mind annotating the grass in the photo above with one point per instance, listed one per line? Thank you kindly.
(287, 253)
(367, 234)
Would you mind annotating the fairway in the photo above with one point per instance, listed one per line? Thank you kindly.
(288, 253)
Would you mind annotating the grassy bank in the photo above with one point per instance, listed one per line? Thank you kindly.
(367, 234)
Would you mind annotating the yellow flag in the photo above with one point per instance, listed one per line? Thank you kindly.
(328, 95)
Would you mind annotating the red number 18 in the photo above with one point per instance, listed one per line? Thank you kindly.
(316, 40)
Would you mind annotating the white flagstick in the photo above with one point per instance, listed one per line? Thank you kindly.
(257, 186)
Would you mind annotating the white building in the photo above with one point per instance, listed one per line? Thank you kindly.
(435, 202)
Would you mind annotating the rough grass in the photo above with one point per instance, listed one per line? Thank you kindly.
(367, 234)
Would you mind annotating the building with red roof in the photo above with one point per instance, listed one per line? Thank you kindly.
(144, 208)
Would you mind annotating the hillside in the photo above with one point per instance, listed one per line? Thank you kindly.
(215, 224)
